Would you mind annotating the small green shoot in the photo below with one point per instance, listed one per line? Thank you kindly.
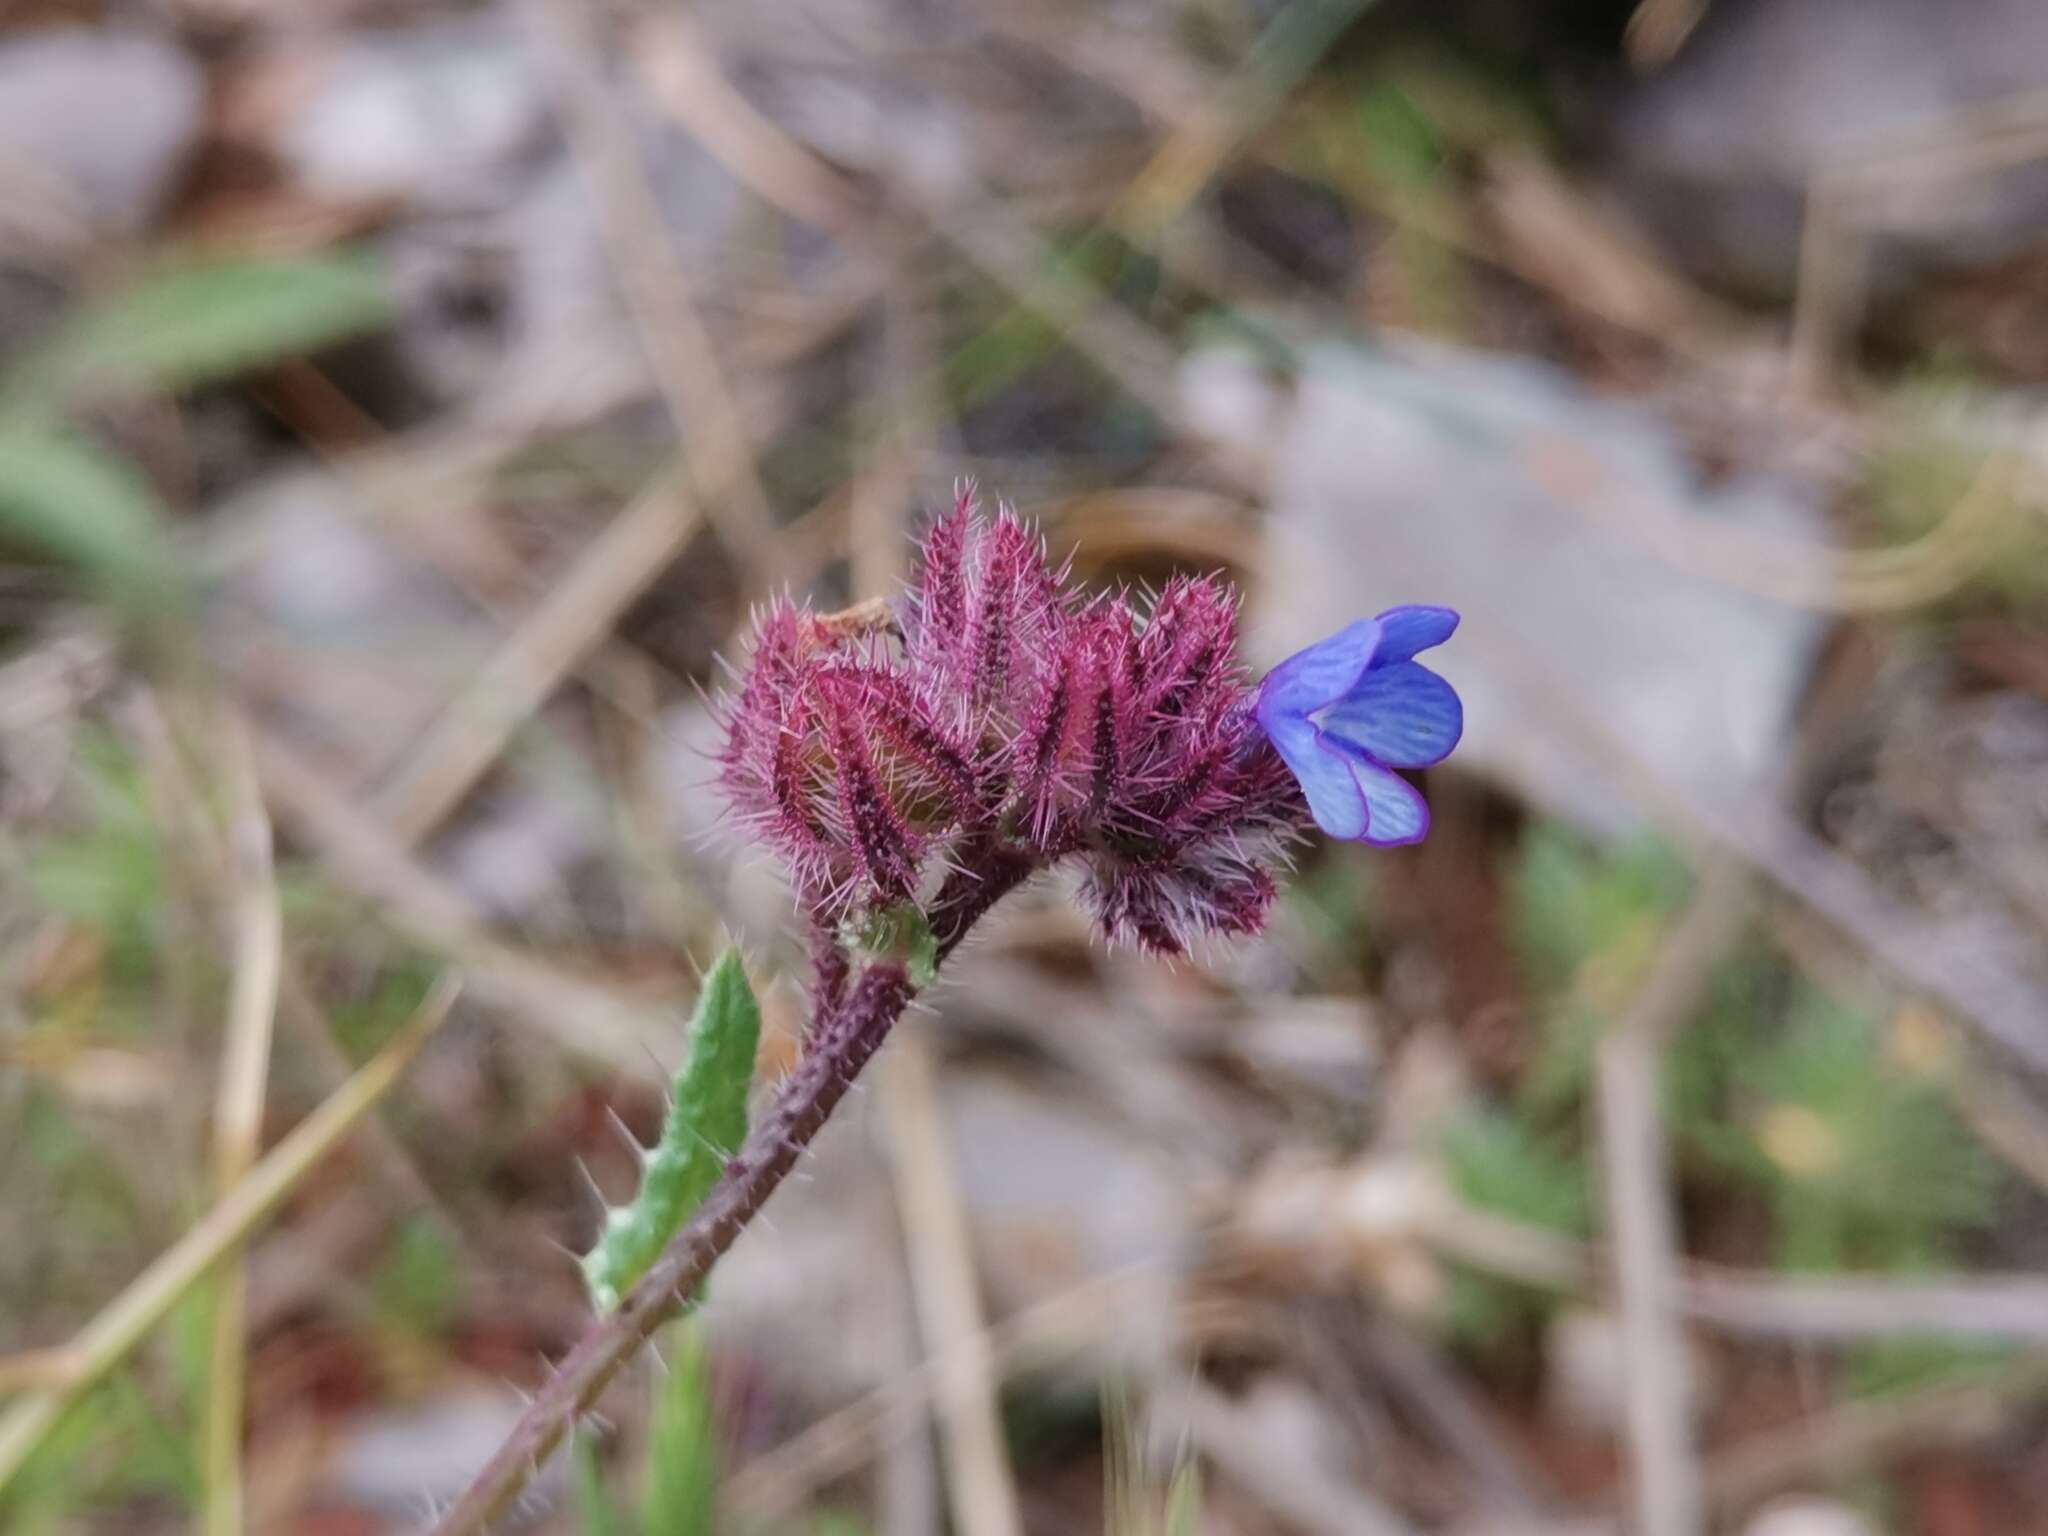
(679, 1492)
(681, 1497)
(1133, 1502)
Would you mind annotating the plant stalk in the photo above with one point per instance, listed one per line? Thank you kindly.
(849, 1026)
(846, 1041)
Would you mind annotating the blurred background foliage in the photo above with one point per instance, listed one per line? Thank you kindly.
(401, 406)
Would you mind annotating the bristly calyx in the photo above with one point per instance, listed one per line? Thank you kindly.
(995, 716)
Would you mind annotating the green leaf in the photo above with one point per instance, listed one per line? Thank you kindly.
(63, 498)
(195, 321)
(682, 1444)
(706, 1122)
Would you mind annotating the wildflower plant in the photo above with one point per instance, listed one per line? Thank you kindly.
(911, 763)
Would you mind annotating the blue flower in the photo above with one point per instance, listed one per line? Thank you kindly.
(1347, 710)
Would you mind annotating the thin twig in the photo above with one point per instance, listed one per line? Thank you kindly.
(308, 1027)
(1189, 159)
(1851, 1307)
(909, 1490)
(980, 1481)
(684, 78)
(1657, 1389)
(123, 1323)
(1985, 137)
(1756, 1303)
(1795, 572)
(771, 1486)
(238, 1111)
(1444, 1398)
(1289, 1478)
(549, 643)
(2005, 1118)
(1852, 1436)
(38, 1370)
(1657, 29)
(1012, 255)
(1840, 1442)
(720, 454)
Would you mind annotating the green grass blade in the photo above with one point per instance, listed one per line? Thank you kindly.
(682, 1443)
(197, 321)
(595, 1511)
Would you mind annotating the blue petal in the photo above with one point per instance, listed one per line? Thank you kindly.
(1319, 675)
(1395, 812)
(1403, 715)
(1415, 627)
(1333, 794)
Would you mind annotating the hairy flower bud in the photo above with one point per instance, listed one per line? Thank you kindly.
(1010, 720)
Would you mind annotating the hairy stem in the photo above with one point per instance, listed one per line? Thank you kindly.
(848, 1026)
(830, 970)
(988, 872)
(846, 1038)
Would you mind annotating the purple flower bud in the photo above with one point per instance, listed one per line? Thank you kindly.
(984, 620)
(1346, 711)
(771, 773)
(882, 841)
(1011, 723)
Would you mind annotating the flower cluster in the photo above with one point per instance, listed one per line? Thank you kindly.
(997, 714)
